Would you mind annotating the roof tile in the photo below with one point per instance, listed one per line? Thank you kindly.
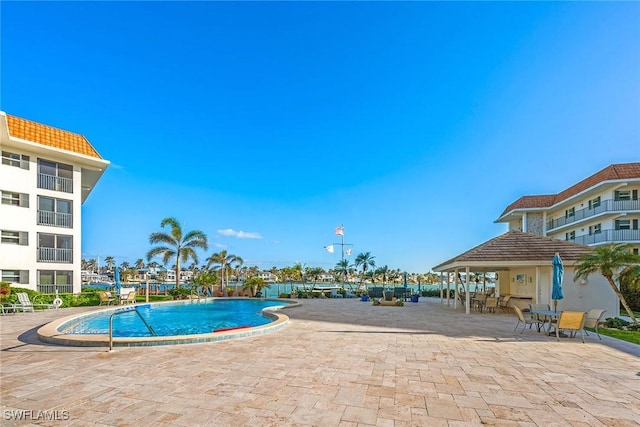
(519, 246)
(610, 173)
(50, 136)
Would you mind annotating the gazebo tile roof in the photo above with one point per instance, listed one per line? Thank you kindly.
(518, 246)
(50, 136)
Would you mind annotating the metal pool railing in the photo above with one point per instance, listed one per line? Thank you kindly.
(127, 310)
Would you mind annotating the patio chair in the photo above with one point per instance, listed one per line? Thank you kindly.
(571, 321)
(25, 304)
(594, 317)
(524, 320)
(130, 299)
(105, 297)
(503, 303)
(491, 304)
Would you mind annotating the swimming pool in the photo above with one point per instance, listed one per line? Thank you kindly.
(175, 322)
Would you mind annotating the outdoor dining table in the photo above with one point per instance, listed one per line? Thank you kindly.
(547, 315)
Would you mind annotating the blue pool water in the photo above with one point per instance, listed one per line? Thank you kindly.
(179, 318)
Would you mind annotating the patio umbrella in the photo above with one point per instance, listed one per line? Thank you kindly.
(116, 278)
(558, 272)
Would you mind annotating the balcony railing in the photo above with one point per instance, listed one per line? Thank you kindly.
(55, 255)
(609, 236)
(605, 206)
(56, 183)
(55, 219)
(51, 289)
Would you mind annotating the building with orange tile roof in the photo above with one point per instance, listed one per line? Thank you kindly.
(603, 208)
(46, 174)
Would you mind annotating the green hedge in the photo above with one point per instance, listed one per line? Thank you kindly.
(632, 296)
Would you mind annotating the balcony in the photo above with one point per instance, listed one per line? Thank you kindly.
(605, 206)
(55, 183)
(51, 289)
(55, 255)
(609, 236)
(55, 219)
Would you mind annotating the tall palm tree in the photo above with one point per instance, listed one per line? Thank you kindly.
(223, 261)
(364, 260)
(176, 244)
(609, 260)
(139, 263)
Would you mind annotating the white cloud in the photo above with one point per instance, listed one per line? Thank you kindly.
(239, 234)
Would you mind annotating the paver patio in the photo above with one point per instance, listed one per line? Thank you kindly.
(338, 362)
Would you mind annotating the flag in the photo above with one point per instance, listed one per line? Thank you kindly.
(348, 251)
(340, 231)
(329, 248)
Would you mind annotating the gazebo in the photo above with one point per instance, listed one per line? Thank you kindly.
(522, 264)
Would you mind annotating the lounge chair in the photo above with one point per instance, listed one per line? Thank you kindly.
(105, 298)
(524, 320)
(571, 321)
(594, 317)
(25, 304)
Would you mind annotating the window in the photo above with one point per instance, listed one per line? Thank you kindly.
(570, 236)
(15, 199)
(595, 229)
(13, 159)
(57, 212)
(622, 195)
(14, 237)
(570, 212)
(50, 280)
(623, 224)
(15, 276)
(55, 248)
(594, 203)
(55, 176)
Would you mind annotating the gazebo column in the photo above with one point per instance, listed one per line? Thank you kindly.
(455, 289)
(467, 293)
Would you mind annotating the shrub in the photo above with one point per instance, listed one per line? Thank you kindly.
(614, 322)
(631, 295)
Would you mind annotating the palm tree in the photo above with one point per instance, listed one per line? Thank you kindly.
(109, 262)
(176, 244)
(383, 271)
(364, 260)
(315, 273)
(342, 267)
(139, 263)
(609, 260)
(223, 262)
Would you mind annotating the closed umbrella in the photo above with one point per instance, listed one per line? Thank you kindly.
(116, 278)
(558, 272)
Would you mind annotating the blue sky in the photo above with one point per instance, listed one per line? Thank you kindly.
(413, 124)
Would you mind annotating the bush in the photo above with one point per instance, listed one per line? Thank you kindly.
(284, 295)
(614, 322)
(631, 295)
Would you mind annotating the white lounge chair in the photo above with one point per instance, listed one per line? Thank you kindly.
(25, 304)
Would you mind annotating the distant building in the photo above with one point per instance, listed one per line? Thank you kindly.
(46, 174)
(603, 208)
(268, 277)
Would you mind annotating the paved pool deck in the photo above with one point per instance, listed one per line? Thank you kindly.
(338, 362)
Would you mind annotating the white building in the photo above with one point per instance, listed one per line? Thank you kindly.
(45, 175)
(603, 208)
(268, 277)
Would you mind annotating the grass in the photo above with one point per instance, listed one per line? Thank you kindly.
(629, 336)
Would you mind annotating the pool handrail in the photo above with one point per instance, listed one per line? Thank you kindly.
(126, 310)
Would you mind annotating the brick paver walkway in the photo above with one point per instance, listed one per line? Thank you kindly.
(336, 363)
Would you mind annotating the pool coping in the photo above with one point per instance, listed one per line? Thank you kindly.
(49, 333)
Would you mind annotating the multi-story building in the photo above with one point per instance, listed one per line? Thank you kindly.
(603, 208)
(45, 175)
